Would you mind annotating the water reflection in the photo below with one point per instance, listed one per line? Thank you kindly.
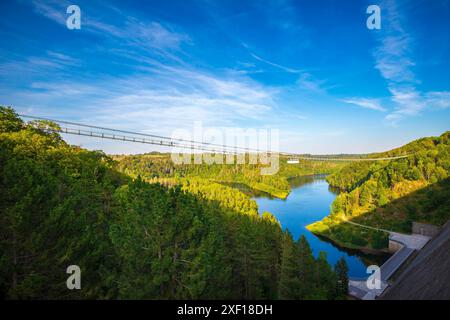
(247, 190)
(310, 201)
(297, 182)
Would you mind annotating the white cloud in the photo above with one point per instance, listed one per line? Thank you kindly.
(394, 61)
(276, 65)
(439, 100)
(38, 65)
(307, 82)
(408, 100)
(392, 58)
(161, 102)
(159, 96)
(48, 9)
(372, 104)
(411, 102)
(130, 31)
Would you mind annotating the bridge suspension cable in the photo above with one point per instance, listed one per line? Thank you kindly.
(315, 158)
(103, 135)
(129, 136)
(162, 140)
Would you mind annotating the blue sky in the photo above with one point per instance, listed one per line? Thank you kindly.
(308, 68)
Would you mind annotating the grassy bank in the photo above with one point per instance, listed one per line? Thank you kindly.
(351, 236)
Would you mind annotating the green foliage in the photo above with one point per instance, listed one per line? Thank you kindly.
(379, 240)
(159, 167)
(9, 120)
(289, 278)
(227, 197)
(55, 204)
(62, 205)
(390, 195)
(341, 270)
(302, 276)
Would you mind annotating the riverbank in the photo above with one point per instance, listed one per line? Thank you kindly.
(277, 193)
(291, 180)
(349, 246)
(308, 202)
(256, 189)
(358, 238)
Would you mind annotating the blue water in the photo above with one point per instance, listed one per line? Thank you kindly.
(308, 202)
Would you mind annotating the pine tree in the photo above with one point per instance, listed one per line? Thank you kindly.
(325, 278)
(341, 270)
(306, 264)
(289, 281)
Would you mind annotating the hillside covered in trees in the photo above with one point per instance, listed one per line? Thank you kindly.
(390, 195)
(159, 167)
(62, 205)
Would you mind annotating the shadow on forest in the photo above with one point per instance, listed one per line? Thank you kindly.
(430, 204)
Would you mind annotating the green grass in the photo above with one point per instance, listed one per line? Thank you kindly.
(350, 236)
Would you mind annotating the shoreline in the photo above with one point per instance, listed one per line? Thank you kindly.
(343, 245)
(363, 249)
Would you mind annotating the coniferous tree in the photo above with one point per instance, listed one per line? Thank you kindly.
(61, 205)
(289, 281)
(341, 270)
(306, 264)
(325, 278)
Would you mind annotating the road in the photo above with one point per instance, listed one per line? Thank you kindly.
(394, 262)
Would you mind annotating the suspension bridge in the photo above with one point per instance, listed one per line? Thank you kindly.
(80, 129)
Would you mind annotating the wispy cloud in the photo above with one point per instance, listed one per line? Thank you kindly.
(411, 102)
(440, 100)
(51, 61)
(53, 10)
(307, 82)
(162, 102)
(130, 31)
(394, 60)
(160, 95)
(372, 104)
(142, 72)
(276, 65)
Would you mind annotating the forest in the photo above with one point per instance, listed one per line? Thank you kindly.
(134, 238)
(390, 195)
(159, 167)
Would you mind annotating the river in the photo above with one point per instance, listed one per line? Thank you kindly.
(308, 202)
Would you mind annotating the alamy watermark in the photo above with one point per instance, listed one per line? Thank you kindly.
(374, 280)
(74, 280)
(74, 20)
(228, 146)
(374, 20)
